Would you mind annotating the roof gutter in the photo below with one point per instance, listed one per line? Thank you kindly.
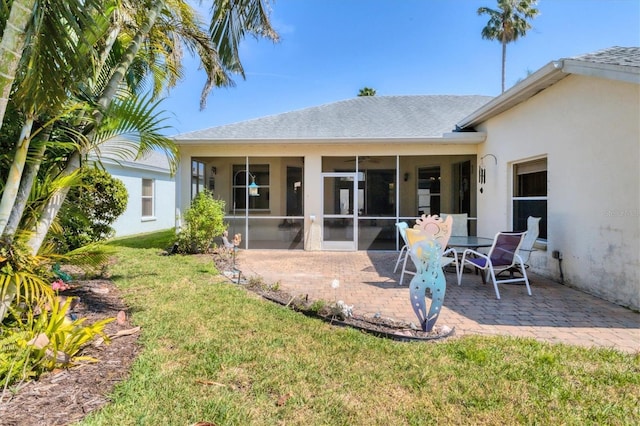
(536, 82)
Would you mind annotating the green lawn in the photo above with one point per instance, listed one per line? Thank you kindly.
(214, 352)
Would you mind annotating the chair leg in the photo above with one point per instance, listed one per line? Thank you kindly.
(526, 278)
(404, 266)
(460, 269)
(495, 283)
(400, 257)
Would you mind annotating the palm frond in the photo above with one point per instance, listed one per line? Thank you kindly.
(229, 23)
(137, 123)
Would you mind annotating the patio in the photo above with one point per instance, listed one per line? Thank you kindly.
(554, 313)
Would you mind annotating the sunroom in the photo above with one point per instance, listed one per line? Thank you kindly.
(292, 182)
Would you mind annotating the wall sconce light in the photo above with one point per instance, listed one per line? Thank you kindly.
(406, 176)
(213, 170)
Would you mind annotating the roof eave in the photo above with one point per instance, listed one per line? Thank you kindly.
(545, 77)
(629, 74)
(126, 164)
(536, 82)
(450, 138)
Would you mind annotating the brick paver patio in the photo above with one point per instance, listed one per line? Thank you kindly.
(554, 313)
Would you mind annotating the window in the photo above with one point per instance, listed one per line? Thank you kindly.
(258, 197)
(429, 190)
(530, 194)
(147, 197)
(197, 177)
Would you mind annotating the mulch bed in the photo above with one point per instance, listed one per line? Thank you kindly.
(66, 396)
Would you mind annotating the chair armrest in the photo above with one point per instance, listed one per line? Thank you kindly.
(476, 254)
(471, 251)
(450, 251)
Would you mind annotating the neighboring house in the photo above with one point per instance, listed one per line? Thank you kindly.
(151, 188)
(562, 144)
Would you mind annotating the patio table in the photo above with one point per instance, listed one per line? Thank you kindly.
(471, 242)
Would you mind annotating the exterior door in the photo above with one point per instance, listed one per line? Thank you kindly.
(340, 209)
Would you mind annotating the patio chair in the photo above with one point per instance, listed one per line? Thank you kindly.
(460, 220)
(533, 230)
(402, 228)
(503, 255)
(431, 228)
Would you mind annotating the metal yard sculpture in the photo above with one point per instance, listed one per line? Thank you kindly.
(429, 275)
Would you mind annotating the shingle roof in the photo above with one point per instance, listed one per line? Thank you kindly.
(616, 55)
(365, 117)
(113, 152)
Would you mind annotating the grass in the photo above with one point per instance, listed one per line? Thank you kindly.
(215, 352)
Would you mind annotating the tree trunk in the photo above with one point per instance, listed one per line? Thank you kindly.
(26, 183)
(11, 47)
(118, 75)
(15, 175)
(504, 62)
(52, 207)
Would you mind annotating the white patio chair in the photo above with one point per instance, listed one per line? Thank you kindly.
(533, 230)
(402, 228)
(503, 255)
(460, 228)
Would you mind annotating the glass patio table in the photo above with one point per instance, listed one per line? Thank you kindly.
(470, 241)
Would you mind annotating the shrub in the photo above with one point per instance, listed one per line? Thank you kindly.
(36, 331)
(90, 209)
(203, 222)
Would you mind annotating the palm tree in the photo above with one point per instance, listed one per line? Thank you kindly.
(508, 23)
(218, 53)
(367, 91)
(50, 47)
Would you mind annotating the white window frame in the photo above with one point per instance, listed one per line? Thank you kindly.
(198, 172)
(151, 197)
(529, 163)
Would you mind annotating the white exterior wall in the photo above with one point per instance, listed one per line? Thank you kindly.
(131, 222)
(589, 130)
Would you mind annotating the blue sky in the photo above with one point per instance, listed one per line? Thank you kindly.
(330, 49)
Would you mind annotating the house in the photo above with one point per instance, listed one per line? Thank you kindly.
(563, 144)
(151, 188)
(567, 144)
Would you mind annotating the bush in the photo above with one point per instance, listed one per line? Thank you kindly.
(89, 210)
(203, 222)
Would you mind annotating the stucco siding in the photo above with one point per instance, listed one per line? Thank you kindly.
(588, 128)
(132, 222)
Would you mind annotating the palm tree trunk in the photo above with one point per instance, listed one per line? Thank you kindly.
(15, 175)
(11, 47)
(52, 207)
(504, 61)
(118, 75)
(26, 183)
